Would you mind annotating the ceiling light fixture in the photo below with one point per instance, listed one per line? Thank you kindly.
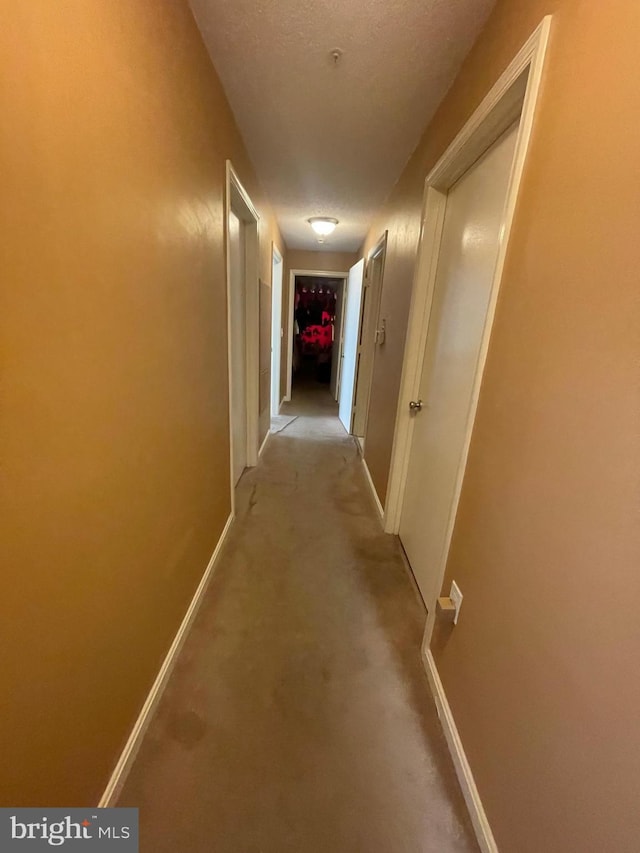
(322, 225)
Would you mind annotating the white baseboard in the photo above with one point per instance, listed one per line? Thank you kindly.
(127, 757)
(465, 776)
(373, 489)
(264, 443)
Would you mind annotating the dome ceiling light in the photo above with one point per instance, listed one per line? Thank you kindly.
(322, 225)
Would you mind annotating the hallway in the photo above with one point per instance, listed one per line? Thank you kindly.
(298, 717)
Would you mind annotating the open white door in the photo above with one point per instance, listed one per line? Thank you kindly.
(350, 343)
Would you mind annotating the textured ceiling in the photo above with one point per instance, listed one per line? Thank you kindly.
(332, 139)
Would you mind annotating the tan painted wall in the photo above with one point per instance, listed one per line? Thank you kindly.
(114, 432)
(298, 259)
(542, 670)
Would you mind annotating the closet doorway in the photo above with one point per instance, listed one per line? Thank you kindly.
(316, 302)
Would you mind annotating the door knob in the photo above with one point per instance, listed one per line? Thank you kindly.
(415, 405)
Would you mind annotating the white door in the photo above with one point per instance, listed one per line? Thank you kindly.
(276, 332)
(464, 278)
(238, 324)
(350, 343)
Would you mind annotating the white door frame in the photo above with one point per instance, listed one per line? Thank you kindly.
(514, 94)
(276, 334)
(371, 323)
(292, 293)
(237, 200)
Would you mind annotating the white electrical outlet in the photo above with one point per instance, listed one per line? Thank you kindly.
(456, 596)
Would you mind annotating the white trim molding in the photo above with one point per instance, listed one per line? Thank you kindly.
(263, 446)
(128, 754)
(463, 770)
(514, 95)
(374, 493)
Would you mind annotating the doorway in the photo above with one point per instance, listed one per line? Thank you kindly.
(238, 343)
(317, 307)
(309, 279)
(468, 209)
(276, 330)
(370, 336)
(242, 327)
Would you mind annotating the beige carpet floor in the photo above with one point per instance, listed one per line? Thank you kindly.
(298, 718)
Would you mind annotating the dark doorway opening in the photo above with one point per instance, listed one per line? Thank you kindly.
(317, 321)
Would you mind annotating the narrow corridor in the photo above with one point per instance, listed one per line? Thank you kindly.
(298, 717)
